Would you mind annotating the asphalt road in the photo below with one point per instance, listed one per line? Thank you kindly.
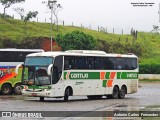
(147, 98)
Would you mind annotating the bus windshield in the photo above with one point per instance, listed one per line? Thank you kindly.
(35, 71)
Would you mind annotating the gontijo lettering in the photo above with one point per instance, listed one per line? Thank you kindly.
(79, 75)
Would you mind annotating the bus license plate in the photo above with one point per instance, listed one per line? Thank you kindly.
(34, 94)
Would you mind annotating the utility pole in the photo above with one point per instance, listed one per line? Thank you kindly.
(51, 3)
(159, 12)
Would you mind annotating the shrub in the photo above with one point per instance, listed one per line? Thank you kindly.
(25, 43)
(76, 40)
(119, 47)
(149, 69)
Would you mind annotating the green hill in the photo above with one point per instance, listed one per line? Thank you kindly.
(149, 42)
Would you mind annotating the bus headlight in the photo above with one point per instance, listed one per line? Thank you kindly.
(24, 88)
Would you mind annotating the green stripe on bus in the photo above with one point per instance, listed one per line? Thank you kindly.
(81, 75)
(36, 87)
(107, 76)
(96, 75)
(104, 83)
(127, 75)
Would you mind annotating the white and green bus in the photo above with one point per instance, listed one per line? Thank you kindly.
(79, 72)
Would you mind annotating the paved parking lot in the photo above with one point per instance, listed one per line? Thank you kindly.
(147, 98)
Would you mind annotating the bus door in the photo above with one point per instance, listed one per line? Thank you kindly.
(57, 83)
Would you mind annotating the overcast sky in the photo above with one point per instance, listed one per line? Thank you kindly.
(117, 14)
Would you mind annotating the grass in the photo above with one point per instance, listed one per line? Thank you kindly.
(14, 29)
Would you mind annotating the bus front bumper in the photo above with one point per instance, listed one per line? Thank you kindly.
(36, 94)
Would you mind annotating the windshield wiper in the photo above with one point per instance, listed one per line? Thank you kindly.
(38, 81)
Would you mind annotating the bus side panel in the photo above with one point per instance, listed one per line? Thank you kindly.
(79, 87)
(17, 78)
(100, 90)
(87, 87)
(58, 89)
(90, 87)
(8, 75)
(133, 87)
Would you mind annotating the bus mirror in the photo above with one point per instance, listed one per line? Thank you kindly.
(49, 69)
(17, 67)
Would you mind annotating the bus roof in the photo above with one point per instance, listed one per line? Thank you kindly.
(22, 50)
(81, 53)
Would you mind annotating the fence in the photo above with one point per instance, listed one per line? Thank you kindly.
(98, 28)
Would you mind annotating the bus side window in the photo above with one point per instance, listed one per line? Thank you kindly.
(111, 64)
(81, 62)
(69, 62)
(66, 64)
(128, 64)
(134, 63)
(72, 63)
(3, 56)
(90, 63)
(119, 66)
(120, 63)
(11, 56)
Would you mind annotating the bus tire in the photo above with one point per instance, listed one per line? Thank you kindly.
(109, 96)
(98, 96)
(6, 89)
(122, 92)
(66, 95)
(115, 92)
(17, 89)
(41, 99)
(91, 97)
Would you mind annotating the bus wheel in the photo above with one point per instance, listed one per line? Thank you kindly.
(41, 99)
(6, 89)
(17, 89)
(122, 93)
(66, 95)
(115, 92)
(91, 97)
(99, 96)
(109, 96)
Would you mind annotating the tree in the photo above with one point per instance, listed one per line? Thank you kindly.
(155, 28)
(56, 9)
(8, 3)
(76, 40)
(20, 11)
(28, 17)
